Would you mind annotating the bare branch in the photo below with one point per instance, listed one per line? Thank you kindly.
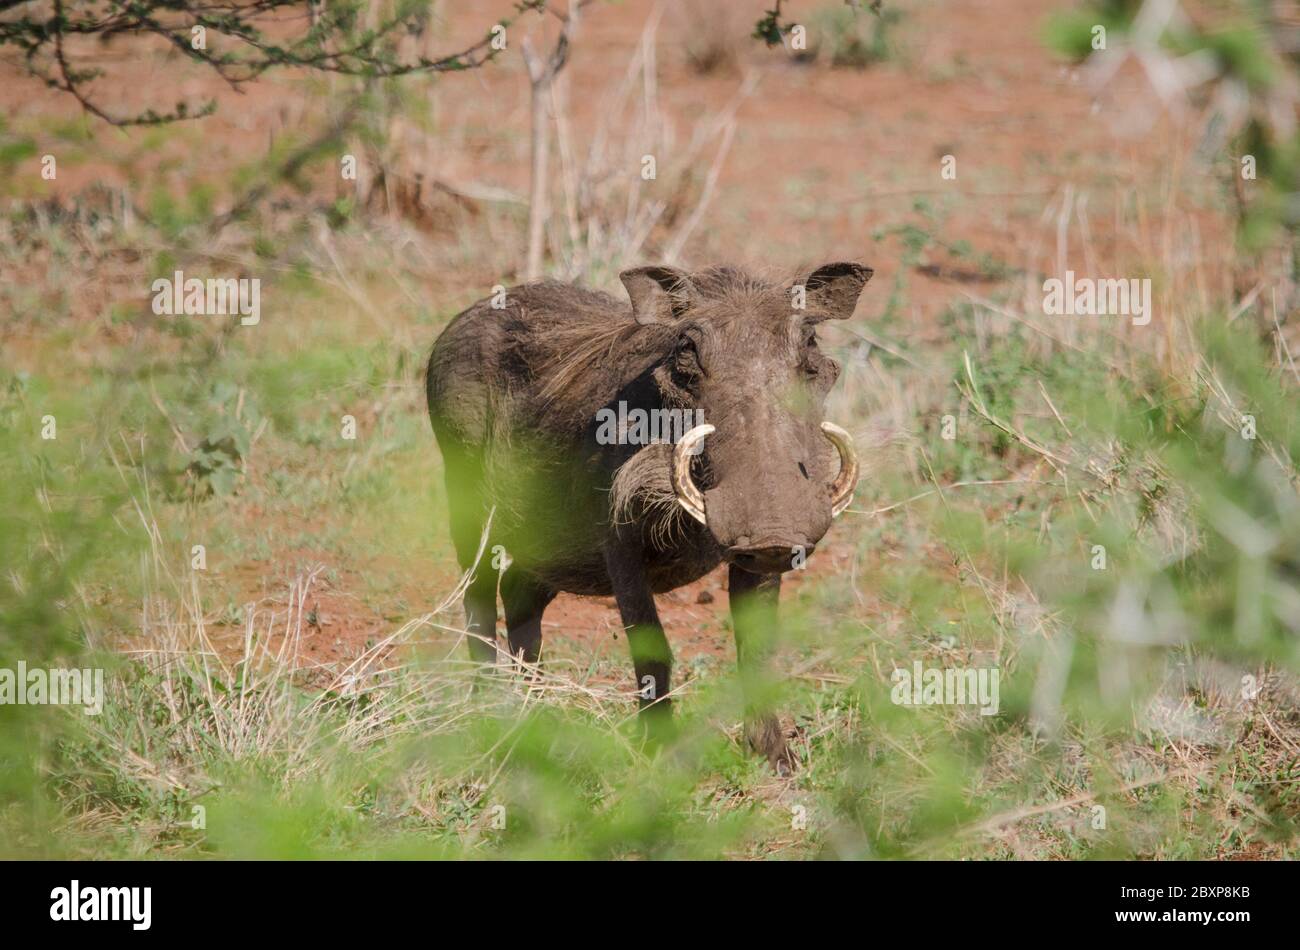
(331, 42)
(541, 74)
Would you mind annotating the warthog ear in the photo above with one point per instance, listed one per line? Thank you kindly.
(658, 294)
(833, 289)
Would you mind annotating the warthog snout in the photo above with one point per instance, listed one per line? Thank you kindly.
(768, 557)
(762, 541)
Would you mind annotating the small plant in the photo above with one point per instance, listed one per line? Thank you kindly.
(851, 38)
(229, 423)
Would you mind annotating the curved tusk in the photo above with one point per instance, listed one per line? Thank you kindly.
(689, 496)
(847, 480)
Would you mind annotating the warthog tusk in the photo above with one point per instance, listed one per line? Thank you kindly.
(688, 496)
(847, 480)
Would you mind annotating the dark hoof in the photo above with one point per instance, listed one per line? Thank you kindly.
(765, 738)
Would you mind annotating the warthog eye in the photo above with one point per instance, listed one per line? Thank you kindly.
(811, 360)
(686, 357)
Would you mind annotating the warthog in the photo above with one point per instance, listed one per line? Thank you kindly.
(516, 389)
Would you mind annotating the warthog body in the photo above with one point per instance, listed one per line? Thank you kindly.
(521, 395)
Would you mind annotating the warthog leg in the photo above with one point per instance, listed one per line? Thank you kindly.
(481, 614)
(754, 599)
(651, 656)
(525, 599)
(468, 520)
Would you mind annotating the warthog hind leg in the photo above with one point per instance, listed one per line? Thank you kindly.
(525, 600)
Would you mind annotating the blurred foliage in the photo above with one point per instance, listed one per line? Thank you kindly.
(56, 509)
(848, 39)
(1243, 60)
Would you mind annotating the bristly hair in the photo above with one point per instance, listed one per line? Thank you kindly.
(642, 493)
(574, 351)
(725, 281)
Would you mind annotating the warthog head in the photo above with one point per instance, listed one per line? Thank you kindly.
(761, 471)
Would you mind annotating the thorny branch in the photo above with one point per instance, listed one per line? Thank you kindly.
(334, 41)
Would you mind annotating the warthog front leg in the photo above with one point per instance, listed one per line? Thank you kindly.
(525, 599)
(481, 615)
(754, 599)
(651, 656)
